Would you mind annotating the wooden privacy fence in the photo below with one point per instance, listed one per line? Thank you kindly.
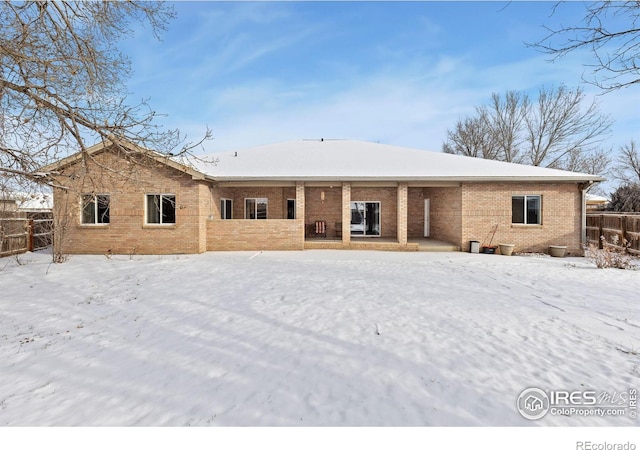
(20, 235)
(617, 229)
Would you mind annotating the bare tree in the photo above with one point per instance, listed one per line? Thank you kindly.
(62, 82)
(627, 168)
(471, 137)
(610, 32)
(559, 129)
(595, 162)
(506, 119)
(494, 132)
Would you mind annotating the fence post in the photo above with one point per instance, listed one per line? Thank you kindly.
(623, 226)
(30, 235)
(600, 220)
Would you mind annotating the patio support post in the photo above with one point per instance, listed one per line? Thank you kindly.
(300, 207)
(346, 213)
(402, 207)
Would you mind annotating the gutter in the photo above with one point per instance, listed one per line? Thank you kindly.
(584, 187)
(457, 179)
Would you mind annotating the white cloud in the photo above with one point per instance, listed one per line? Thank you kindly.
(402, 107)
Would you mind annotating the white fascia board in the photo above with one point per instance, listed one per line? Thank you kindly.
(478, 179)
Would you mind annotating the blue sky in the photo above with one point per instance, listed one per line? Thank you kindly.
(400, 73)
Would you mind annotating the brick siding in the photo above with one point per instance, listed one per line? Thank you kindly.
(388, 198)
(329, 210)
(241, 234)
(457, 214)
(469, 212)
(487, 205)
(445, 209)
(127, 182)
(276, 205)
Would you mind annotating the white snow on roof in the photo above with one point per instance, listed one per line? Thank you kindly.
(35, 202)
(349, 160)
(597, 198)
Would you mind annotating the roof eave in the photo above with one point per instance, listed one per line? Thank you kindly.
(484, 179)
(102, 146)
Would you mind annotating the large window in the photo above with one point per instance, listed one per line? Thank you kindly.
(526, 209)
(226, 208)
(255, 208)
(95, 209)
(161, 209)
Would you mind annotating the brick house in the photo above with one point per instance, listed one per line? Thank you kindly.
(312, 194)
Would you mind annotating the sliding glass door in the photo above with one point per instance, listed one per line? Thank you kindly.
(365, 218)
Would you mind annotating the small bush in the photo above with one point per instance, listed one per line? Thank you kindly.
(611, 255)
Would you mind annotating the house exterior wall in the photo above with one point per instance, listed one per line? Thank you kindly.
(388, 198)
(486, 205)
(458, 214)
(469, 212)
(445, 205)
(127, 183)
(276, 199)
(402, 205)
(329, 210)
(253, 235)
(346, 213)
(206, 210)
(275, 233)
(415, 213)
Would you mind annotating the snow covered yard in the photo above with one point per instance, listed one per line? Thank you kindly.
(310, 338)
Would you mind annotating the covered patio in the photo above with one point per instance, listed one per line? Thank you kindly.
(400, 216)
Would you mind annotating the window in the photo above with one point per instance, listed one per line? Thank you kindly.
(255, 208)
(291, 209)
(526, 209)
(95, 209)
(226, 208)
(161, 209)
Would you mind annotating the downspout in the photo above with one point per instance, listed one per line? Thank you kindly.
(584, 187)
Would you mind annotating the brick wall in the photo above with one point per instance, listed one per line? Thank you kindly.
(346, 213)
(127, 182)
(402, 208)
(329, 210)
(445, 213)
(277, 199)
(241, 234)
(415, 213)
(206, 210)
(388, 198)
(275, 233)
(461, 214)
(457, 214)
(487, 205)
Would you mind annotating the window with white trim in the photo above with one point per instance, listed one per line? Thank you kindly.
(255, 208)
(161, 209)
(95, 209)
(226, 208)
(526, 209)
